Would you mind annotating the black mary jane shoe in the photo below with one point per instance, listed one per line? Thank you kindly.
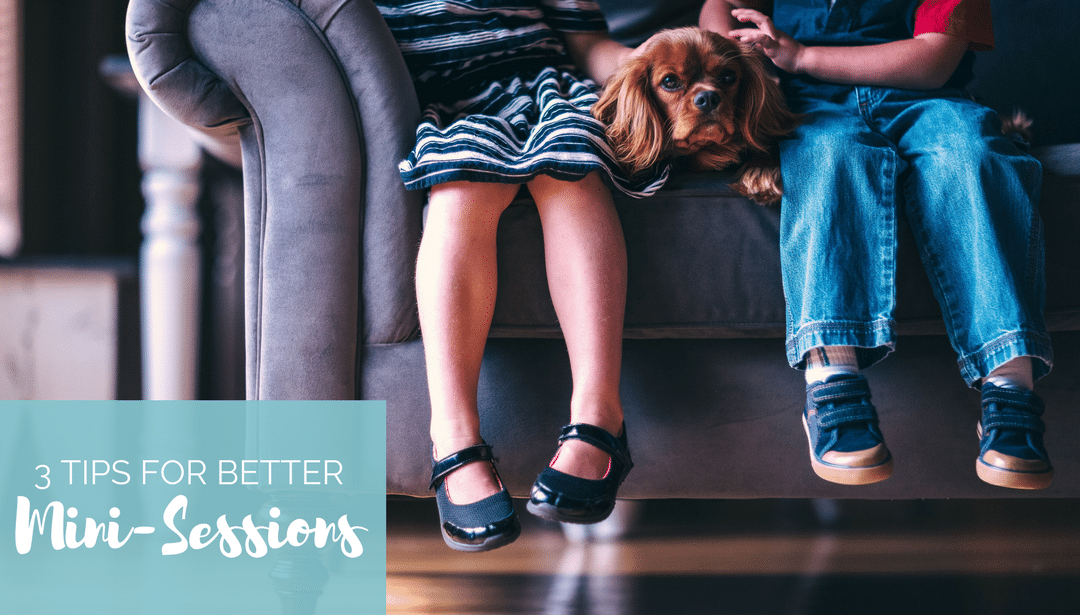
(480, 526)
(561, 497)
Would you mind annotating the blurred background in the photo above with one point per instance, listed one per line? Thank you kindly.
(70, 213)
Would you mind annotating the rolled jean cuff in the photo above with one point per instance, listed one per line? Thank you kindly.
(977, 365)
(873, 341)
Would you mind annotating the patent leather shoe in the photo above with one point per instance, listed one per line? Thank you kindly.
(569, 499)
(479, 526)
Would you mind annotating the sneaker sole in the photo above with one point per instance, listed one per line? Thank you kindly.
(1011, 479)
(1001, 477)
(846, 475)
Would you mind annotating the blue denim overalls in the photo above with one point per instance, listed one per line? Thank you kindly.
(863, 155)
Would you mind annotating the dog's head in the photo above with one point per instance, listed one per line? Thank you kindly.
(691, 92)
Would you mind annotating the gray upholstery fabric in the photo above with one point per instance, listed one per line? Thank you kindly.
(304, 176)
(386, 102)
(324, 109)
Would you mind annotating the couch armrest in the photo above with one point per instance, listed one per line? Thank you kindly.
(324, 108)
(171, 75)
(387, 105)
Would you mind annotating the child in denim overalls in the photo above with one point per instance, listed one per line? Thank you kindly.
(886, 127)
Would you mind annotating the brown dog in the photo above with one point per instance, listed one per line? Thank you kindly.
(696, 97)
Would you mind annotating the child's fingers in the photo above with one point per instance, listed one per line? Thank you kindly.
(756, 39)
(747, 14)
(748, 33)
(757, 18)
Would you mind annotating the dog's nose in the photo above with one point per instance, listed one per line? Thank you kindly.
(706, 101)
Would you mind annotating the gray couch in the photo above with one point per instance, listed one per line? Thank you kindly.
(319, 101)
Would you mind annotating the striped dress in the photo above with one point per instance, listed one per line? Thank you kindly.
(501, 98)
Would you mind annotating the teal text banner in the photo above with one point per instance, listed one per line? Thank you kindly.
(133, 508)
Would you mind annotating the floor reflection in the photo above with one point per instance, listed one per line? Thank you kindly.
(757, 557)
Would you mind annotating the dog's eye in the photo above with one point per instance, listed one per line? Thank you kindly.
(670, 83)
(727, 77)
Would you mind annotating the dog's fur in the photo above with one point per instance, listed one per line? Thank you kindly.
(649, 109)
(1018, 124)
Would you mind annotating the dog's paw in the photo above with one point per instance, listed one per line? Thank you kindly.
(762, 185)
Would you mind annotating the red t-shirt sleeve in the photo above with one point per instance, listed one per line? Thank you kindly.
(966, 19)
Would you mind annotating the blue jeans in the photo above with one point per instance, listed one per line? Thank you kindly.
(861, 157)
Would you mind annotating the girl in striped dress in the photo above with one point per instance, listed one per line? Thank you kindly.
(505, 104)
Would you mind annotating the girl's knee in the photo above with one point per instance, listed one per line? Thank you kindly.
(471, 197)
(590, 191)
(467, 209)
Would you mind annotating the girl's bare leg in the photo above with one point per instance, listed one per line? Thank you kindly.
(585, 254)
(455, 294)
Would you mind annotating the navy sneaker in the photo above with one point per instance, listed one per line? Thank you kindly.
(1011, 452)
(841, 425)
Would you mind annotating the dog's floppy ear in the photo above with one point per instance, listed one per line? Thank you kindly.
(763, 115)
(635, 128)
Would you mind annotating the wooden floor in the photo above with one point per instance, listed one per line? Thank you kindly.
(751, 557)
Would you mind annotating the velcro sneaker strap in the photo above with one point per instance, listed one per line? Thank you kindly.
(1012, 419)
(601, 439)
(835, 392)
(478, 452)
(1018, 399)
(1005, 408)
(833, 416)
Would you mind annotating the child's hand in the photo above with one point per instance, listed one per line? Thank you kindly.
(784, 51)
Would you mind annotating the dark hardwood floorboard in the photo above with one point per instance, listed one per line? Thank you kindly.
(750, 557)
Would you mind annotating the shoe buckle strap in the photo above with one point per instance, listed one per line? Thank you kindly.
(834, 416)
(440, 469)
(601, 439)
(1012, 419)
(836, 391)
